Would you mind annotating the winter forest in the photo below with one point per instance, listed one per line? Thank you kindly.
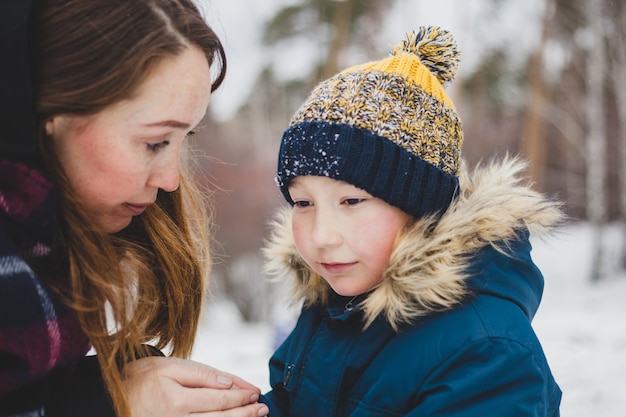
(544, 78)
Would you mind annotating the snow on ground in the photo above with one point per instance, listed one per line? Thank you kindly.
(579, 323)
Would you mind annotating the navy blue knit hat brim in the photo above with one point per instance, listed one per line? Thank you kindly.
(368, 161)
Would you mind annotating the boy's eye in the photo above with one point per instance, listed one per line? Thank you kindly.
(158, 146)
(353, 201)
(302, 204)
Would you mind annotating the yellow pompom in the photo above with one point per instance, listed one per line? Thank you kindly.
(435, 48)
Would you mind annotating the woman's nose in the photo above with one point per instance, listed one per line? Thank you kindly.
(166, 176)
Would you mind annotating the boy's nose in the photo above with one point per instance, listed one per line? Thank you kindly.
(325, 231)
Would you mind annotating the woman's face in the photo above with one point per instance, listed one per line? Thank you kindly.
(118, 159)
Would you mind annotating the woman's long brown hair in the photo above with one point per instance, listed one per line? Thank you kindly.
(145, 284)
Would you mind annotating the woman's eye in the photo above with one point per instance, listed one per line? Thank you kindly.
(154, 147)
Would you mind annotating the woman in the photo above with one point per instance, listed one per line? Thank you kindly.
(103, 240)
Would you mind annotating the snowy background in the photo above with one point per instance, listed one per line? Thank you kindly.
(581, 326)
(579, 323)
(240, 25)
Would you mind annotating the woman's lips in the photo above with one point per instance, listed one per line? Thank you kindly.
(136, 209)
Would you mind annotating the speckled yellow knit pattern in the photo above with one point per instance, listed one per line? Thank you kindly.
(387, 127)
(409, 68)
(398, 99)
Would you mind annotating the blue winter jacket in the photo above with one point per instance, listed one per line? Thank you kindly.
(478, 357)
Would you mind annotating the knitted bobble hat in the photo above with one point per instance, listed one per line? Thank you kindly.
(387, 127)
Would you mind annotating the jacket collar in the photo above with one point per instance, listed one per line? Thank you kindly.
(27, 205)
(430, 269)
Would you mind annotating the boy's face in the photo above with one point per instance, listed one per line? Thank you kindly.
(343, 233)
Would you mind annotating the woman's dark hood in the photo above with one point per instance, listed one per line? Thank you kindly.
(18, 130)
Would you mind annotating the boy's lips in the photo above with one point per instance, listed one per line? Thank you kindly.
(336, 267)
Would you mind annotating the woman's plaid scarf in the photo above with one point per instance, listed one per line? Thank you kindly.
(38, 333)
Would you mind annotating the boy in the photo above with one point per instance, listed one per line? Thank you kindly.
(416, 274)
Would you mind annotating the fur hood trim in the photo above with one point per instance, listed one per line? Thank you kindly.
(427, 270)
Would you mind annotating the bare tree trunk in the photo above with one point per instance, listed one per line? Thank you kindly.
(596, 135)
(618, 49)
(342, 20)
(533, 138)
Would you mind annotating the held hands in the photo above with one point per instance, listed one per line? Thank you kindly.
(172, 387)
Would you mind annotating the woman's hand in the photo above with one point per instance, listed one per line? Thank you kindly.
(171, 387)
